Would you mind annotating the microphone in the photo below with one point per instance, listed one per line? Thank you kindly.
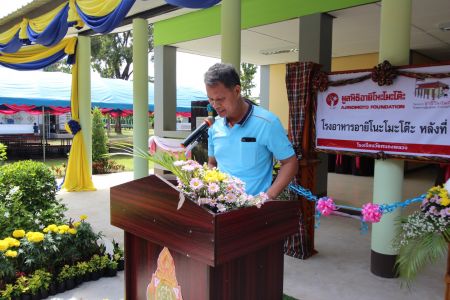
(197, 133)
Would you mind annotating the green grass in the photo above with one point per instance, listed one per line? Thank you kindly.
(286, 297)
(124, 160)
(127, 161)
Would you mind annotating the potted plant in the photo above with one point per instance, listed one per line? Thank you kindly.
(118, 256)
(66, 278)
(35, 284)
(94, 264)
(82, 271)
(44, 278)
(10, 291)
(111, 269)
(22, 285)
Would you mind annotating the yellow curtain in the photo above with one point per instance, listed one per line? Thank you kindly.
(91, 7)
(77, 173)
(40, 23)
(98, 8)
(38, 52)
(6, 36)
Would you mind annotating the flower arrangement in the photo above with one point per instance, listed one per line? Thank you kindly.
(207, 186)
(214, 189)
(423, 236)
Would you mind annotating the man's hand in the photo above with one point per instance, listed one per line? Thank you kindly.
(212, 163)
(287, 171)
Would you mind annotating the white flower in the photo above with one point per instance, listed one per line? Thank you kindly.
(179, 163)
(6, 214)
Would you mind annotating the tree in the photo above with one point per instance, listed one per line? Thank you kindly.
(247, 75)
(99, 138)
(112, 54)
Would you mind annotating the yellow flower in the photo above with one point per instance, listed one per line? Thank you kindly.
(52, 227)
(72, 231)
(83, 217)
(11, 253)
(45, 230)
(12, 242)
(35, 237)
(211, 176)
(19, 233)
(4, 245)
(76, 224)
(445, 201)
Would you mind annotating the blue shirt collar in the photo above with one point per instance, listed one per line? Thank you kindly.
(246, 116)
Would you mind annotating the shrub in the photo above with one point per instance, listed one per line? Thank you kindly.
(34, 179)
(28, 197)
(2, 152)
(107, 166)
(99, 137)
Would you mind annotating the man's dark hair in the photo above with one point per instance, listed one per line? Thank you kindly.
(222, 73)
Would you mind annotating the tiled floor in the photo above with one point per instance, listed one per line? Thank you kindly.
(339, 271)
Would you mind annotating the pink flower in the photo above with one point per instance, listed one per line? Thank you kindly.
(195, 184)
(371, 213)
(325, 206)
(213, 188)
(230, 197)
(188, 168)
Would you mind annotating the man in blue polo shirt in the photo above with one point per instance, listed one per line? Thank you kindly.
(244, 138)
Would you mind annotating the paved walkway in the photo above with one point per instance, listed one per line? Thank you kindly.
(339, 271)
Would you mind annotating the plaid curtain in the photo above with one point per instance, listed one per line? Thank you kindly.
(299, 81)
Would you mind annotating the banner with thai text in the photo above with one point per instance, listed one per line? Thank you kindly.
(408, 118)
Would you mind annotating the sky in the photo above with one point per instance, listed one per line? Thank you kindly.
(190, 67)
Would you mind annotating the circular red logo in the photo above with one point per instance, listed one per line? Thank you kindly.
(332, 100)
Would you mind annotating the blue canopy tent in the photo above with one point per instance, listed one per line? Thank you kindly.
(53, 89)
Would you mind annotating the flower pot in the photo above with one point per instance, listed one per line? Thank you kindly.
(36, 296)
(25, 297)
(86, 277)
(53, 289)
(44, 293)
(78, 280)
(95, 275)
(121, 265)
(61, 287)
(110, 272)
(70, 283)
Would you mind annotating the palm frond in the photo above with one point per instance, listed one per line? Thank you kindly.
(163, 159)
(419, 252)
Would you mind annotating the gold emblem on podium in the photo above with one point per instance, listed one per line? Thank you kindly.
(164, 284)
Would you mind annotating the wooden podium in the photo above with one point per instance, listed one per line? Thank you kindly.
(233, 255)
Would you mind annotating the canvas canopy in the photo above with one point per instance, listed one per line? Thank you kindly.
(25, 89)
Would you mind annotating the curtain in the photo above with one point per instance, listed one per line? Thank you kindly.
(299, 79)
(37, 57)
(49, 29)
(103, 16)
(77, 173)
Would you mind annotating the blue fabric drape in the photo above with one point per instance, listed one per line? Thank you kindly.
(12, 46)
(109, 22)
(40, 64)
(54, 32)
(193, 4)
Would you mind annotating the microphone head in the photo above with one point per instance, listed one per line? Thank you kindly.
(209, 121)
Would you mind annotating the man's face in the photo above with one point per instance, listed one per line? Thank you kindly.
(224, 100)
